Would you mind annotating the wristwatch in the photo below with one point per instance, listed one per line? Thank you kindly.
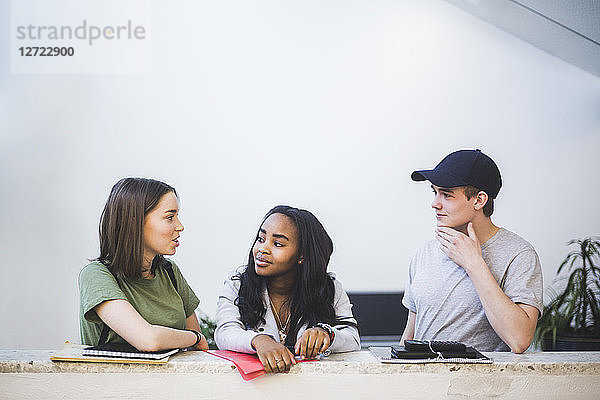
(327, 328)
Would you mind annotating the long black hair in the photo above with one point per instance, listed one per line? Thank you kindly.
(314, 290)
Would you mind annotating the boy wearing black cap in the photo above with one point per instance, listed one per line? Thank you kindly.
(475, 282)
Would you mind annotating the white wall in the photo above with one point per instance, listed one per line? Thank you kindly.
(327, 105)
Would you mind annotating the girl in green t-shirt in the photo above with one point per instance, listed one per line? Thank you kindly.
(131, 288)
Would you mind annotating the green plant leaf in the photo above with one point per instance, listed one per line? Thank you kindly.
(576, 306)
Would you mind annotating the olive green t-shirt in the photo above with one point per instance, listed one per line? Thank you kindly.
(155, 299)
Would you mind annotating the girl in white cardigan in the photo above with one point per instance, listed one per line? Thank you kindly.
(283, 304)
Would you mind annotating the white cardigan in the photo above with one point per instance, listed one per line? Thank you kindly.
(232, 335)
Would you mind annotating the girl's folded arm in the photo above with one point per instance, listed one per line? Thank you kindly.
(121, 317)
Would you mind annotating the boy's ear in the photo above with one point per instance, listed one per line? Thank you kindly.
(480, 200)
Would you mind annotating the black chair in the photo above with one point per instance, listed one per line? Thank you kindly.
(381, 317)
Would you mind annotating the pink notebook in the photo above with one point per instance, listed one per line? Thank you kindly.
(249, 365)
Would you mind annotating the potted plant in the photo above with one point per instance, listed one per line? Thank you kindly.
(207, 326)
(571, 320)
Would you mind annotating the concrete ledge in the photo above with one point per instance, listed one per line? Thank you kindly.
(358, 375)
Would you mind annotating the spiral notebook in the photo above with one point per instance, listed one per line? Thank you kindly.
(125, 350)
(74, 353)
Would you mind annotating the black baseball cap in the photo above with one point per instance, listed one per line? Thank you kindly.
(462, 168)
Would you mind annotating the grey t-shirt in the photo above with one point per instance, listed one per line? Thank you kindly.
(444, 299)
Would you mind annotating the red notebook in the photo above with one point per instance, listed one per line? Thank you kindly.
(249, 365)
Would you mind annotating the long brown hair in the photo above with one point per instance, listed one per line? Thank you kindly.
(122, 223)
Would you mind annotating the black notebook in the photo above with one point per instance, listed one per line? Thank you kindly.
(125, 350)
(399, 355)
(469, 355)
(469, 352)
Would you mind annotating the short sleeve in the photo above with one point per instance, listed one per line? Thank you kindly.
(408, 300)
(96, 285)
(189, 298)
(523, 281)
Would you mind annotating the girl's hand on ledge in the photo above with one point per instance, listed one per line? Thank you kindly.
(313, 341)
(202, 344)
(274, 356)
